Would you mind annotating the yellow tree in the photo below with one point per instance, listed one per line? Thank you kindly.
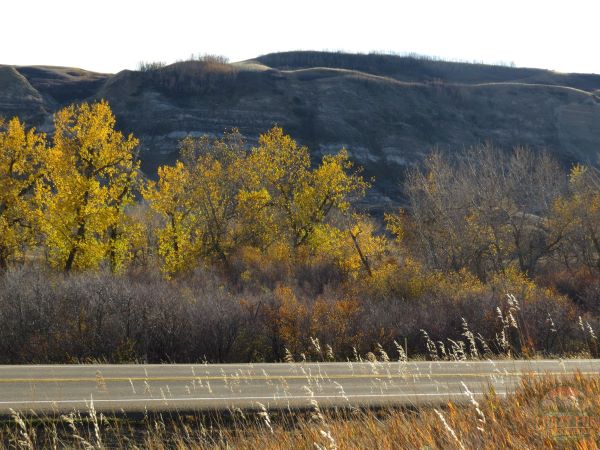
(124, 231)
(92, 169)
(197, 200)
(22, 154)
(301, 198)
(179, 238)
(217, 174)
(353, 245)
(220, 198)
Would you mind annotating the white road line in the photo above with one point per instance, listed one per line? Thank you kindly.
(499, 362)
(227, 399)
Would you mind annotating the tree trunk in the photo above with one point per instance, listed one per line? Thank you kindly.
(73, 252)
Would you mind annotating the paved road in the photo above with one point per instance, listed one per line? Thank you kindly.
(135, 388)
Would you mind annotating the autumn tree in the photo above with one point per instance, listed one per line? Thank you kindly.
(217, 170)
(438, 210)
(179, 235)
(577, 214)
(220, 197)
(352, 243)
(534, 181)
(485, 210)
(299, 197)
(22, 156)
(92, 169)
(198, 200)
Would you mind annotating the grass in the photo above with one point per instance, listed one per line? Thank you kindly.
(544, 412)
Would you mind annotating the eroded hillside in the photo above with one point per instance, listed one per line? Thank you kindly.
(389, 111)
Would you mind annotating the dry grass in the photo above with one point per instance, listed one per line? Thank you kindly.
(535, 416)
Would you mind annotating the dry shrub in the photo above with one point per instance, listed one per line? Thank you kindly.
(338, 324)
(52, 317)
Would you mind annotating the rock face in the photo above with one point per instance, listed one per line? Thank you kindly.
(18, 97)
(388, 111)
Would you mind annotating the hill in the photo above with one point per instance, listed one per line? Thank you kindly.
(389, 111)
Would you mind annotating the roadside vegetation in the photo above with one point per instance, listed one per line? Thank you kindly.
(240, 253)
(542, 413)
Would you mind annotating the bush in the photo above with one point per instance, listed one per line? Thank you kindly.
(140, 316)
(149, 66)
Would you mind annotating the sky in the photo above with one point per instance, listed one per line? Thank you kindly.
(112, 35)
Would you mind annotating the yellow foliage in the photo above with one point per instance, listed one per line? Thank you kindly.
(337, 323)
(22, 161)
(406, 279)
(576, 216)
(301, 198)
(92, 169)
(355, 248)
(292, 316)
(515, 282)
(179, 238)
(217, 173)
(126, 240)
(221, 199)
(264, 267)
(255, 224)
(395, 224)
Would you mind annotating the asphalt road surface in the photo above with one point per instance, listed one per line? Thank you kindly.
(136, 388)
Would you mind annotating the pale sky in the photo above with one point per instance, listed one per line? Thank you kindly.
(111, 35)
